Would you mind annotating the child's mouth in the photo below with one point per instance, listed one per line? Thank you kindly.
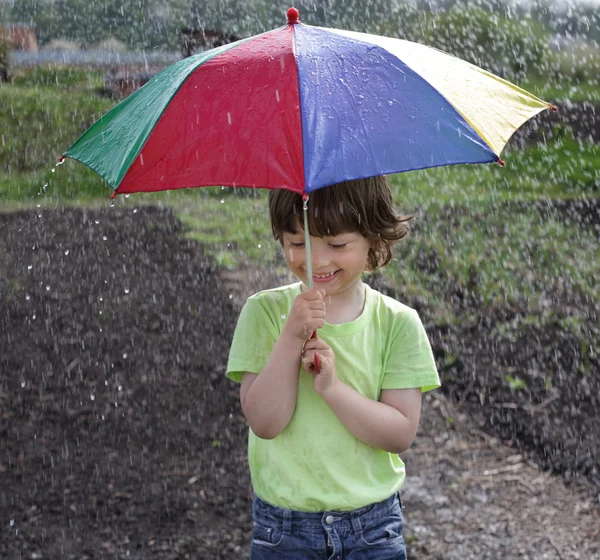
(324, 278)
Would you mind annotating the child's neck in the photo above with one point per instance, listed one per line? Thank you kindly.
(345, 306)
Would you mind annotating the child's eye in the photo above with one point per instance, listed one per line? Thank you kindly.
(296, 245)
(338, 245)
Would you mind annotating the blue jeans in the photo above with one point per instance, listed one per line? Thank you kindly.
(373, 532)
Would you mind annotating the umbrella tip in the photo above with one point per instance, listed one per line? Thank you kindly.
(293, 16)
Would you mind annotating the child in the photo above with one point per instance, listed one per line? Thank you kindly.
(323, 446)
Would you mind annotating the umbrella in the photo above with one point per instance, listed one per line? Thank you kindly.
(300, 108)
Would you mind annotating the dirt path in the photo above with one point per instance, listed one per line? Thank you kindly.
(121, 438)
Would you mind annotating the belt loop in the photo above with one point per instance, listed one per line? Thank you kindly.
(356, 524)
(287, 521)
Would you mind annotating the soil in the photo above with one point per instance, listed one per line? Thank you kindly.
(120, 436)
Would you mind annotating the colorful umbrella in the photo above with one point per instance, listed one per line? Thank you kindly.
(301, 108)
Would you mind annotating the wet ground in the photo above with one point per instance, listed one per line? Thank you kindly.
(121, 438)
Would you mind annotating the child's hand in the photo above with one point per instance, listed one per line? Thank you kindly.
(307, 315)
(326, 377)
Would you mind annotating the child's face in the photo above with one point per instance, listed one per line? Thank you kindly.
(337, 261)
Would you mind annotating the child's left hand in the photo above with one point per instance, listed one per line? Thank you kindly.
(326, 377)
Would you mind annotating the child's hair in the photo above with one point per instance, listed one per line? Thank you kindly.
(363, 205)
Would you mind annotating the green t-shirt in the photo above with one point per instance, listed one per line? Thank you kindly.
(316, 464)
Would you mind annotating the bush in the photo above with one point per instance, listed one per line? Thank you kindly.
(505, 47)
(579, 62)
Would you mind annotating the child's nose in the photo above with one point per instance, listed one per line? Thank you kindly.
(320, 257)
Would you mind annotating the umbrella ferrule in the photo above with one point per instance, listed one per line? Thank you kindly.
(293, 16)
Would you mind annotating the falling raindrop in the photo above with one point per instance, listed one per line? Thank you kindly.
(66, 252)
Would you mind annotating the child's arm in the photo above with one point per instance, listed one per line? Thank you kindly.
(269, 399)
(390, 424)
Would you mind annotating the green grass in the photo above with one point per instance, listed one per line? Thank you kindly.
(555, 91)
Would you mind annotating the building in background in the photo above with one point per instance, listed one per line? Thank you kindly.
(19, 36)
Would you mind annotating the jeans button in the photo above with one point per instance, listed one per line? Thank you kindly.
(329, 520)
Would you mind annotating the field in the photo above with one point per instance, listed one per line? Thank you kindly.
(121, 437)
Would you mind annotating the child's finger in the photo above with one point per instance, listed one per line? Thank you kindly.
(313, 294)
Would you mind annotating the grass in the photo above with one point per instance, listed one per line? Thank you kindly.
(555, 91)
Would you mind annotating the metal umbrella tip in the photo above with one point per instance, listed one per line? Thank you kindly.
(293, 16)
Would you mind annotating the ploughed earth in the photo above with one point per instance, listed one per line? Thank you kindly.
(120, 436)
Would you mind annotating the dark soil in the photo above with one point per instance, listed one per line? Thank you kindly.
(120, 436)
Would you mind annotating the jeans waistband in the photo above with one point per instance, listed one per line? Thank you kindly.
(291, 521)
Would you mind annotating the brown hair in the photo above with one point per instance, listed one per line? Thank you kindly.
(363, 205)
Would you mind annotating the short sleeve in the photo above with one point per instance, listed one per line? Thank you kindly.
(410, 363)
(253, 340)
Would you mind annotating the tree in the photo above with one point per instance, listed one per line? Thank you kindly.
(3, 60)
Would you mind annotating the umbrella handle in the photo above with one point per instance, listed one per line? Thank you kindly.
(317, 363)
(317, 359)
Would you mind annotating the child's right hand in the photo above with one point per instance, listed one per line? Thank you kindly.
(306, 316)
